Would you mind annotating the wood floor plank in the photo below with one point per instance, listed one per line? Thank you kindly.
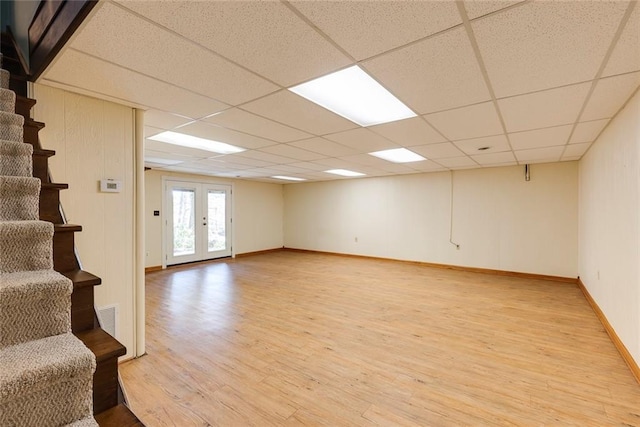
(304, 339)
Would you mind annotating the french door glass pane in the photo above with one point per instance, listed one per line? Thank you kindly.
(184, 222)
(216, 236)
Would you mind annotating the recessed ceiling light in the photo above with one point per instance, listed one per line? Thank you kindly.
(353, 94)
(344, 172)
(184, 140)
(288, 178)
(159, 161)
(398, 155)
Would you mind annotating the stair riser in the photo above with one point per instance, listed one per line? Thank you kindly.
(25, 247)
(50, 205)
(4, 79)
(15, 165)
(35, 310)
(105, 380)
(63, 252)
(20, 198)
(41, 167)
(7, 101)
(11, 132)
(30, 134)
(24, 105)
(43, 407)
(82, 310)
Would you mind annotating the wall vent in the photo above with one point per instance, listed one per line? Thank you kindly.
(107, 316)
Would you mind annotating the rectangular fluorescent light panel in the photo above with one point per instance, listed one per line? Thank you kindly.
(159, 161)
(288, 178)
(189, 141)
(353, 94)
(344, 172)
(398, 155)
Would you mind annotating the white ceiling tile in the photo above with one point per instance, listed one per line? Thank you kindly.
(540, 138)
(296, 153)
(243, 121)
(362, 140)
(437, 151)
(151, 131)
(162, 120)
(468, 122)
(205, 130)
(266, 37)
(325, 147)
(291, 169)
(626, 54)
(496, 144)
(543, 109)
(477, 8)
(239, 160)
(426, 166)
(116, 35)
(266, 157)
(311, 166)
(103, 78)
(493, 159)
(540, 155)
(463, 162)
(610, 95)
(541, 45)
(409, 132)
(350, 24)
(575, 150)
(587, 131)
(293, 110)
(436, 74)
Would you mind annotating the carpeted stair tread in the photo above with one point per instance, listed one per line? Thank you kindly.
(11, 127)
(15, 158)
(46, 382)
(33, 305)
(26, 246)
(85, 422)
(20, 198)
(7, 100)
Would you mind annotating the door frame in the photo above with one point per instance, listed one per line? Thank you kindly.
(164, 217)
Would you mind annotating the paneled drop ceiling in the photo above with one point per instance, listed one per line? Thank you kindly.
(493, 83)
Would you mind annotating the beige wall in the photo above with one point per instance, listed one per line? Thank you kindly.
(609, 236)
(94, 140)
(500, 221)
(257, 213)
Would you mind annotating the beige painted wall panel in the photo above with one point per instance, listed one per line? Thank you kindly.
(94, 140)
(257, 213)
(500, 221)
(609, 236)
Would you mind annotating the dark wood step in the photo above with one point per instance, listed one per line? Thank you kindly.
(50, 201)
(120, 416)
(105, 380)
(41, 164)
(82, 310)
(24, 106)
(64, 258)
(31, 129)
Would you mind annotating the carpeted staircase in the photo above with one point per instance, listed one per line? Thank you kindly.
(46, 373)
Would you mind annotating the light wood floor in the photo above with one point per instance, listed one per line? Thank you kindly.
(290, 338)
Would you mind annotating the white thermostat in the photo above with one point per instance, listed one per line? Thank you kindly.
(110, 186)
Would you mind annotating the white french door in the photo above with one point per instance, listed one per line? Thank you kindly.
(198, 223)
